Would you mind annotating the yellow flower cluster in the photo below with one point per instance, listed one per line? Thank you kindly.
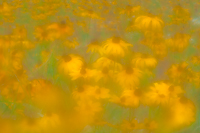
(94, 66)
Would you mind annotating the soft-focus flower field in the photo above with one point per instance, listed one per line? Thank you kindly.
(99, 66)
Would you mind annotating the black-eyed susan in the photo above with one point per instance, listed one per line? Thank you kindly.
(116, 47)
(180, 15)
(103, 74)
(42, 34)
(95, 47)
(175, 91)
(105, 62)
(178, 42)
(88, 108)
(158, 94)
(128, 126)
(152, 23)
(70, 63)
(99, 92)
(82, 92)
(149, 124)
(179, 72)
(83, 72)
(144, 61)
(61, 29)
(129, 77)
(128, 98)
(182, 113)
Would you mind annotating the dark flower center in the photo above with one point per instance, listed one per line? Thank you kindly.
(83, 71)
(129, 70)
(80, 89)
(67, 58)
(171, 88)
(183, 100)
(123, 99)
(116, 40)
(138, 92)
(105, 70)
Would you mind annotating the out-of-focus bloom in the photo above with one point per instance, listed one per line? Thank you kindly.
(129, 77)
(180, 15)
(61, 29)
(179, 42)
(100, 92)
(180, 73)
(103, 74)
(149, 125)
(129, 125)
(182, 113)
(88, 108)
(116, 47)
(42, 34)
(144, 61)
(129, 98)
(95, 46)
(70, 63)
(83, 72)
(146, 23)
(82, 91)
(105, 62)
(158, 94)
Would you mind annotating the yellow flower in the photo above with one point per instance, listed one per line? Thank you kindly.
(182, 113)
(158, 94)
(49, 122)
(6, 9)
(105, 62)
(19, 33)
(129, 77)
(95, 46)
(175, 91)
(180, 73)
(13, 90)
(179, 42)
(99, 92)
(149, 124)
(149, 23)
(88, 108)
(83, 72)
(45, 95)
(42, 34)
(180, 15)
(129, 98)
(157, 45)
(61, 29)
(144, 61)
(70, 63)
(129, 125)
(195, 59)
(116, 47)
(104, 74)
(82, 92)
